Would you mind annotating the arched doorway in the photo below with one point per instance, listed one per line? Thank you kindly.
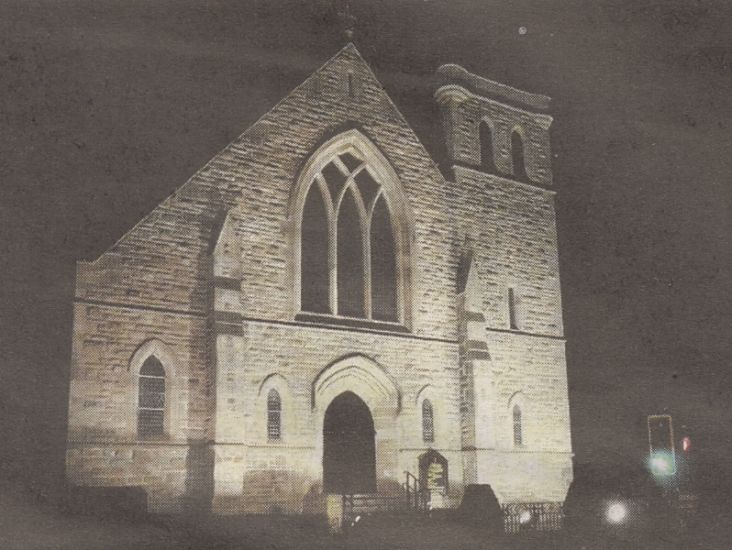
(433, 471)
(349, 451)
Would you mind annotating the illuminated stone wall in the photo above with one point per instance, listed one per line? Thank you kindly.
(207, 283)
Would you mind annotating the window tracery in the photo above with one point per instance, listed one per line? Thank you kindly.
(348, 251)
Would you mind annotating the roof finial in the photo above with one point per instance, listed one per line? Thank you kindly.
(348, 20)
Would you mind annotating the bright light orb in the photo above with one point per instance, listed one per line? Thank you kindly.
(616, 512)
(661, 465)
(524, 517)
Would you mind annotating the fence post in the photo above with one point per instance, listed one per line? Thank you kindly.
(407, 488)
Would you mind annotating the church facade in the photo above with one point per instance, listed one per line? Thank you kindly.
(321, 309)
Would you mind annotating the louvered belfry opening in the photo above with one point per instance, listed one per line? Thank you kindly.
(487, 155)
(517, 154)
(348, 252)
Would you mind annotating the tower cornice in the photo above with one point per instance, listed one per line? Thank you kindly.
(458, 94)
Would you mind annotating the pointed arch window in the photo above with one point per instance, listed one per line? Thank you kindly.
(383, 265)
(350, 257)
(517, 427)
(274, 416)
(151, 399)
(348, 265)
(485, 136)
(517, 154)
(428, 422)
(315, 293)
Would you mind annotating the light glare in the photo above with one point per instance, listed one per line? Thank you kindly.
(524, 517)
(617, 512)
(661, 465)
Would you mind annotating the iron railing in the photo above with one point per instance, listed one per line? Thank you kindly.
(532, 516)
(415, 497)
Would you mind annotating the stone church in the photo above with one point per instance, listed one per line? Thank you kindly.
(321, 308)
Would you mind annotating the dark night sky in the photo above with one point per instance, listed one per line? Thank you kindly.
(106, 107)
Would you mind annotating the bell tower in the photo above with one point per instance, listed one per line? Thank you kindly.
(495, 128)
(514, 403)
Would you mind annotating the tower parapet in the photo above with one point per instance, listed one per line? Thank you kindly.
(494, 127)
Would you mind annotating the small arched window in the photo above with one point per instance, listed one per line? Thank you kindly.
(517, 153)
(348, 261)
(151, 399)
(274, 415)
(517, 428)
(487, 159)
(428, 422)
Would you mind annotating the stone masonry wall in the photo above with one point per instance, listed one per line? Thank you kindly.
(515, 246)
(298, 354)
(103, 393)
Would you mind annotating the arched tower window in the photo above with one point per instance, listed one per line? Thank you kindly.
(485, 135)
(428, 422)
(517, 428)
(274, 415)
(151, 399)
(348, 248)
(517, 153)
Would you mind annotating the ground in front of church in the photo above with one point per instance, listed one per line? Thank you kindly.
(26, 525)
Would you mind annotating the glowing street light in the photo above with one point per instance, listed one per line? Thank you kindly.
(525, 517)
(616, 513)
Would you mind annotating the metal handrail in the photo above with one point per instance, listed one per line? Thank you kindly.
(415, 492)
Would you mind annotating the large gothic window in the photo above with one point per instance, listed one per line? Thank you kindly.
(151, 399)
(347, 251)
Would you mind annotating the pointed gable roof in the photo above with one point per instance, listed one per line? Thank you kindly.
(346, 68)
(256, 173)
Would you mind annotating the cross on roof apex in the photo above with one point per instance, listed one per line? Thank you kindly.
(348, 20)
